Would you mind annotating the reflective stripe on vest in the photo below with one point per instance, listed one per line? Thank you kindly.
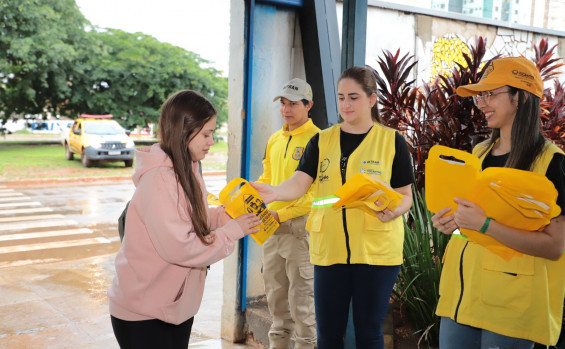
(325, 201)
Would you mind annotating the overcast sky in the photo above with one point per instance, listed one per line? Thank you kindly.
(200, 26)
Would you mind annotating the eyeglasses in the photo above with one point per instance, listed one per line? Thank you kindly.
(485, 97)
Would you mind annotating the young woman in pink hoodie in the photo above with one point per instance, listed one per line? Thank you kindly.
(171, 235)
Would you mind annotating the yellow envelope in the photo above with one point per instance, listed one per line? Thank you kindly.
(361, 191)
(239, 197)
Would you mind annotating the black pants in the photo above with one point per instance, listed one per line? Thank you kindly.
(367, 288)
(151, 334)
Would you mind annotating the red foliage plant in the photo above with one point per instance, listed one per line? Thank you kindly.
(435, 114)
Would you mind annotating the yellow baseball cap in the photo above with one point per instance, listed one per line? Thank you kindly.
(512, 71)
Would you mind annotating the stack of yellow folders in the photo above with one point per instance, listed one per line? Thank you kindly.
(516, 198)
(362, 190)
(239, 197)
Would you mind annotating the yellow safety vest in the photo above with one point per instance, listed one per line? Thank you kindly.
(521, 298)
(352, 236)
(282, 155)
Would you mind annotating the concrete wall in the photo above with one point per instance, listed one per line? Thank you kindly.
(277, 58)
(435, 38)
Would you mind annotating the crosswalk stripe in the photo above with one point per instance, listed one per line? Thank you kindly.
(44, 234)
(51, 245)
(20, 204)
(26, 210)
(30, 218)
(2, 190)
(3, 186)
(21, 262)
(114, 238)
(10, 194)
(15, 226)
(20, 198)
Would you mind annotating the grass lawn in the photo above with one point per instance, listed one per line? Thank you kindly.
(48, 161)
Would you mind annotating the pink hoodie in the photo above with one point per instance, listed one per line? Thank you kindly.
(161, 265)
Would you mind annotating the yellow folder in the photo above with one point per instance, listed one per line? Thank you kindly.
(239, 197)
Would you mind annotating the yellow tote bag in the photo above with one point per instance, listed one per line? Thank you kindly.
(516, 198)
(450, 173)
(239, 197)
(361, 191)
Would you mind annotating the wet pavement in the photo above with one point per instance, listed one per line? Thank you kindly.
(57, 248)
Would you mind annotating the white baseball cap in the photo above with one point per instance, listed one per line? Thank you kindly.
(296, 90)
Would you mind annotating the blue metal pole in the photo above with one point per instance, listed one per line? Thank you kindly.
(246, 140)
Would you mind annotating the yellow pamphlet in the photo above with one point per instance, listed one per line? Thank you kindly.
(239, 197)
(362, 190)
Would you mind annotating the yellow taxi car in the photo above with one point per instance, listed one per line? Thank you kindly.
(98, 138)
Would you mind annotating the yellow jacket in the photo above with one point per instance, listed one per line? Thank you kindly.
(521, 298)
(352, 236)
(284, 150)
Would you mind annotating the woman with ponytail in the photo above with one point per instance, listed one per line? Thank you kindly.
(356, 255)
(171, 235)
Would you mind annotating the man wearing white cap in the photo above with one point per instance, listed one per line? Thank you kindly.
(287, 272)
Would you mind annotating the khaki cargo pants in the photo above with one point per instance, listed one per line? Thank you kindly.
(289, 286)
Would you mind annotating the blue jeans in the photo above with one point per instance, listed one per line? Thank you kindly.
(367, 288)
(457, 336)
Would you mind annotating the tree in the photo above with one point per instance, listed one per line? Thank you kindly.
(40, 40)
(53, 61)
(132, 74)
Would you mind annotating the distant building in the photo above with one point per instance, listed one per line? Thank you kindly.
(537, 13)
(416, 3)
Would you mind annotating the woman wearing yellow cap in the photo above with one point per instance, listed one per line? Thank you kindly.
(486, 301)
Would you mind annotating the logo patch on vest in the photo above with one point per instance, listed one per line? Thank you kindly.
(370, 171)
(370, 167)
(298, 151)
(324, 164)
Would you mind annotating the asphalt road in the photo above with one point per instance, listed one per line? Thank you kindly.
(57, 246)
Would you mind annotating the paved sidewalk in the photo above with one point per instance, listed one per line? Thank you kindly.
(59, 304)
(64, 305)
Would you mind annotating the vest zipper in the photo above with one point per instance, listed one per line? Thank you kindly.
(343, 170)
(461, 280)
(286, 149)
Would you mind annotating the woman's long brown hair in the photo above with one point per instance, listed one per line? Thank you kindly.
(183, 115)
